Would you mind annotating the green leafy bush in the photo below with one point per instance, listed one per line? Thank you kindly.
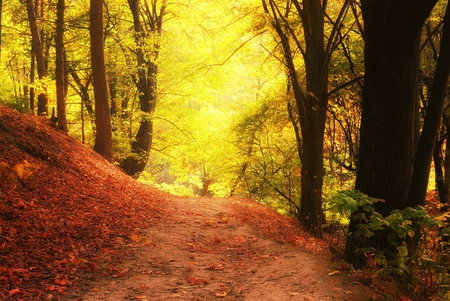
(407, 233)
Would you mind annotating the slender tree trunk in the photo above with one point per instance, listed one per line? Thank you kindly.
(1, 26)
(103, 135)
(83, 91)
(32, 76)
(59, 72)
(146, 85)
(39, 53)
(422, 162)
(441, 185)
(446, 201)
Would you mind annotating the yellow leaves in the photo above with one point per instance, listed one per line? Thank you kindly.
(221, 294)
(138, 238)
(19, 171)
(334, 273)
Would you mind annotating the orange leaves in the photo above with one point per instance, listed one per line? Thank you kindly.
(221, 294)
(13, 292)
(196, 281)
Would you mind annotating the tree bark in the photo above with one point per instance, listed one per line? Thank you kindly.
(40, 60)
(59, 63)
(103, 135)
(311, 102)
(312, 114)
(424, 154)
(146, 85)
(392, 35)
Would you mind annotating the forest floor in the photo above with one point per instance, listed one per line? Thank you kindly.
(74, 227)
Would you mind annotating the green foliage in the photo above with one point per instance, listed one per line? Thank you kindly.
(406, 235)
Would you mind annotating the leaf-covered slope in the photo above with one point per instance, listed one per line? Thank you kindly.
(63, 208)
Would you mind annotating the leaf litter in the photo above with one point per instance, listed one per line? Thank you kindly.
(74, 227)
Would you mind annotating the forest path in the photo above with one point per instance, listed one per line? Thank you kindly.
(203, 250)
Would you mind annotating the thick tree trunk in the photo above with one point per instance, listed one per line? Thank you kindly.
(103, 135)
(312, 115)
(391, 33)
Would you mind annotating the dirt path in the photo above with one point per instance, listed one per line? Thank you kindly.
(203, 252)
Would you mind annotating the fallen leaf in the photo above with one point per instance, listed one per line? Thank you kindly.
(141, 297)
(122, 272)
(196, 281)
(334, 273)
(20, 271)
(222, 294)
(61, 281)
(13, 292)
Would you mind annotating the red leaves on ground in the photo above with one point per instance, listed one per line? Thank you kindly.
(278, 227)
(65, 212)
(197, 281)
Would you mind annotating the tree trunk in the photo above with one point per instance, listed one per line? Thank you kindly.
(447, 160)
(312, 115)
(422, 162)
(59, 72)
(39, 53)
(32, 76)
(103, 135)
(392, 35)
(83, 91)
(441, 185)
(146, 85)
(311, 102)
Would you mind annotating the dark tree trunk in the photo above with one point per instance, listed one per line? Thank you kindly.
(312, 115)
(146, 85)
(392, 35)
(103, 135)
(422, 163)
(39, 53)
(312, 102)
(59, 72)
(441, 185)
(447, 159)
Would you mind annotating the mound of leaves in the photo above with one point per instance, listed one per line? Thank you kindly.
(64, 210)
